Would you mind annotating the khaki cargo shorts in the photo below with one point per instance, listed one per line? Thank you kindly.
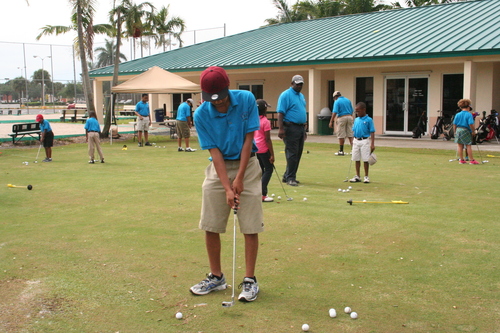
(344, 127)
(214, 209)
(183, 130)
(142, 125)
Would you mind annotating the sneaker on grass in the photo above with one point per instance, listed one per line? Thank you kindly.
(265, 198)
(473, 162)
(339, 153)
(250, 290)
(355, 179)
(366, 180)
(211, 283)
(180, 149)
(190, 150)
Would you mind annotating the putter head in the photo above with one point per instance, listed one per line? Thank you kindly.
(345, 181)
(349, 202)
(289, 199)
(228, 304)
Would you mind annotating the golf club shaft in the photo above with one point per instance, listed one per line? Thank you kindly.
(279, 180)
(37, 154)
(234, 254)
(479, 151)
(378, 202)
(10, 185)
(348, 172)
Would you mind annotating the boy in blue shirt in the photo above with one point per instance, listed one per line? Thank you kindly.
(364, 141)
(143, 119)
(93, 136)
(183, 124)
(47, 138)
(225, 123)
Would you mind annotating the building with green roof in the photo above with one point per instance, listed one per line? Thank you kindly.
(402, 63)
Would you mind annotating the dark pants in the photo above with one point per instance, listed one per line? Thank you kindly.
(267, 170)
(294, 144)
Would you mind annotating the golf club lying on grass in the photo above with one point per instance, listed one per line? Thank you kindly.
(350, 202)
(29, 187)
(279, 180)
(229, 304)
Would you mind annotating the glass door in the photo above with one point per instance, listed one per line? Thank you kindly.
(406, 100)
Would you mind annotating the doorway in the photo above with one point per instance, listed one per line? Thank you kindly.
(406, 99)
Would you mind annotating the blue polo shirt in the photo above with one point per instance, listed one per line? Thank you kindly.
(293, 106)
(142, 109)
(227, 131)
(45, 126)
(342, 107)
(92, 125)
(183, 111)
(363, 127)
(463, 119)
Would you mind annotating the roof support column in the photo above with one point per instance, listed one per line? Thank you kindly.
(98, 100)
(314, 99)
(470, 80)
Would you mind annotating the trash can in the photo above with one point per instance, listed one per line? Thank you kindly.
(159, 115)
(324, 121)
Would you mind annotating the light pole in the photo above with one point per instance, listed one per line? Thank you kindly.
(22, 97)
(43, 79)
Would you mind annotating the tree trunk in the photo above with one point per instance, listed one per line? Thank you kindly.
(107, 123)
(89, 96)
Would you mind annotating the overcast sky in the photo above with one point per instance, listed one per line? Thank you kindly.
(20, 24)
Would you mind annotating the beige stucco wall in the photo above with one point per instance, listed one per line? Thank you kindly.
(482, 76)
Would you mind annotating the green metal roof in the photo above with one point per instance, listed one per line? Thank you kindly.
(455, 29)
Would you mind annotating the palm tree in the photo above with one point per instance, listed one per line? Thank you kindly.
(419, 3)
(163, 26)
(106, 56)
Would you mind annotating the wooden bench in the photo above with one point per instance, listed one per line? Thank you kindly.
(21, 130)
(73, 115)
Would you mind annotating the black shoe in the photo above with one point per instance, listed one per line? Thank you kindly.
(102, 161)
(139, 144)
(147, 144)
(284, 181)
(91, 162)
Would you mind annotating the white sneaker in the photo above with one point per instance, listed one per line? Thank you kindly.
(250, 290)
(211, 283)
(355, 179)
(267, 199)
(366, 180)
(189, 149)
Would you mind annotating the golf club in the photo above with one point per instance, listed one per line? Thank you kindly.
(350, 202)
(480, 157)
(348, 172)
(456, 157)
(36, 159)
(279, 180)
(229, 304)
(29, 187)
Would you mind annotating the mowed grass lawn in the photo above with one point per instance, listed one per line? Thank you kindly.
(115, 247)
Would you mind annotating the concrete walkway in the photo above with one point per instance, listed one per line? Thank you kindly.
(76, 129)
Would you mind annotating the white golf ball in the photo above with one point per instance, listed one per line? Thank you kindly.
(272, 195)
(343, 191)
(305, 327)
(279, 197)
(305, 199)
(36, 162)
(354, 315)
(332, 313)
(364, 200)
(348, 190)
(340, 190)
(178, 315)
(349, 187)
(347, 310)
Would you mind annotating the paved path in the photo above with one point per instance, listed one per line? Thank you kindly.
(75, 129)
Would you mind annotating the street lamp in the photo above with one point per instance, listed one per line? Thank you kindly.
(43, 80)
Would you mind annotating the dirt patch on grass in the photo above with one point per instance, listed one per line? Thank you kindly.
(23, 300)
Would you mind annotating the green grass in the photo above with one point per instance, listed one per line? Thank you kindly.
(115, 247)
